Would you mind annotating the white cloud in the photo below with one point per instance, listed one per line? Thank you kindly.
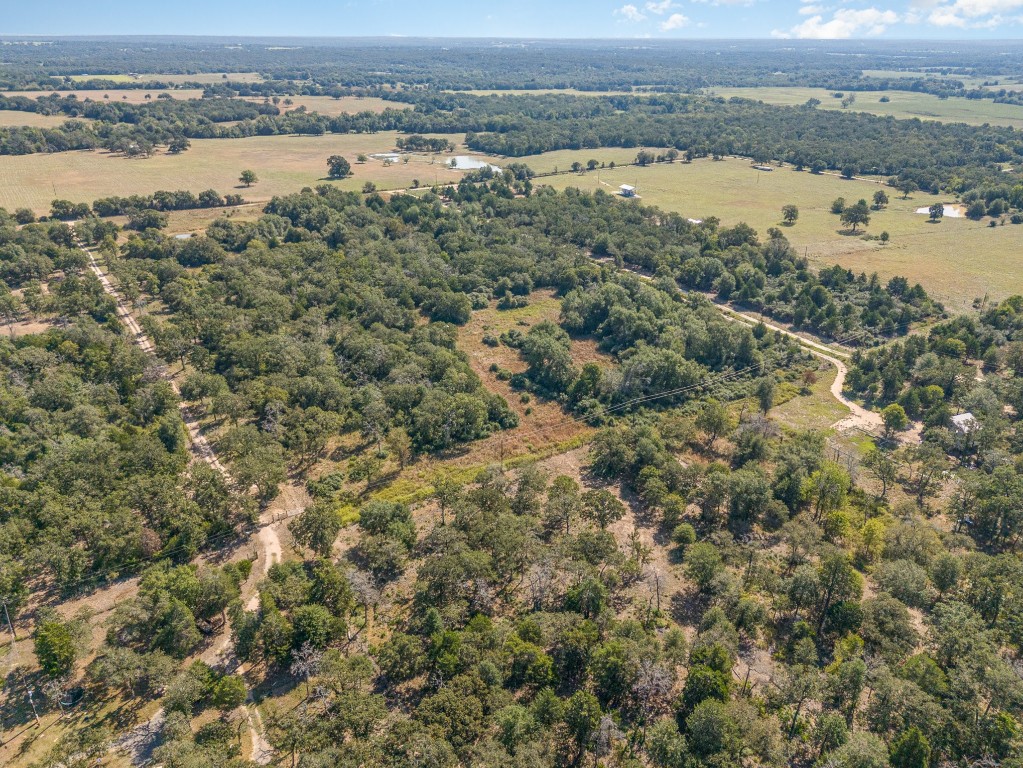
(675, 21)
(976, 8)
(968, 13)
(844, 23)
(811, 10)
(945, 17)
(660, 8)
(630, 13)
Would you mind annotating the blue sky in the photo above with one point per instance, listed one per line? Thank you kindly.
(839, 19)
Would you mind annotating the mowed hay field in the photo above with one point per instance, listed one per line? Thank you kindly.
(955, 260)
(903, 104)
(283, 164)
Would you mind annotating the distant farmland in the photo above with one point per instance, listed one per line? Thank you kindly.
(902, 104)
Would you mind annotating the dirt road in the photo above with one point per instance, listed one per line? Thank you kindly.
(201, 448)
(139, 741)
(859, 417)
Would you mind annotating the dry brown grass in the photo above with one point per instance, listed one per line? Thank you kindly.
(11, 117)
(327, 105)
(284, 164)
(200, 77)
(542, 423)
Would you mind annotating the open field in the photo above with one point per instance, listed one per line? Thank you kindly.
(132, 96)
(201, 77)
(903, 104)
(10, 117)
(970, 81)
(195, 222)
(283, 164)
(818, 410)
(540, 91)
(542, 423)
(112, 78)
(562, 159)
(933, 254)
(327, 105)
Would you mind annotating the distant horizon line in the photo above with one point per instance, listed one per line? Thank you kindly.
(529, 38)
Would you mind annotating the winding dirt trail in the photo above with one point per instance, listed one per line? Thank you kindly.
(859, 417)
(265, 542)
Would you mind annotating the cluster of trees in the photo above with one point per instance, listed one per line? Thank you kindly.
(932, 378)
(732, 262)
(136, 130)
(330, 261)
(362, 270)
(418, 143)
(179, 200)
(664, 349)
(539, 629)
(94, 456)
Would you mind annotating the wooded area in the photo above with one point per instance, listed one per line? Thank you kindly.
(255, 500)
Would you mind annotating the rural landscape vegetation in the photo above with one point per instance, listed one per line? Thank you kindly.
(449, 403)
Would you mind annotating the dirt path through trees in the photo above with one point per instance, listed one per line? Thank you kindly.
(265, 541)
(859, 417)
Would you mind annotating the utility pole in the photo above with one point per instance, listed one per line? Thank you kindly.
(31, 701)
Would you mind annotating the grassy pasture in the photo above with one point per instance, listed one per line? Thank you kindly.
(327, 105)
(132, 96)
(542, 91)
(11, 117)
(283, 164)
(562, 159)
(112, 78)
(903, 104)
(1009, 82)
(199, 77)
(956, 260)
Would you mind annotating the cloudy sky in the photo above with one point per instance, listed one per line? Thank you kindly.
(839, 19)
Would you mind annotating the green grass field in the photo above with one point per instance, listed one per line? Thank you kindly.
(282, 163)
(956, 260)
(903, 104)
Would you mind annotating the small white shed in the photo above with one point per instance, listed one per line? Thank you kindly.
(965, 423)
